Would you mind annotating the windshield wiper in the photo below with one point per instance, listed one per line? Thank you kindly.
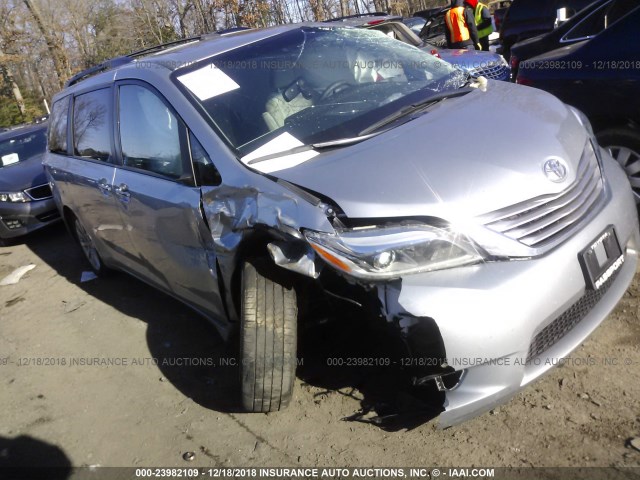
(340, 142)
(415, 107)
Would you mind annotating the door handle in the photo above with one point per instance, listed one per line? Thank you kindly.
(122, 191)
(103, 186)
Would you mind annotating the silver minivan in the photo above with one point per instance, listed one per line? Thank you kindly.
(253, 173)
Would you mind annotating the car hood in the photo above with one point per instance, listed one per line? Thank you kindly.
(25, 174)
(465, 157)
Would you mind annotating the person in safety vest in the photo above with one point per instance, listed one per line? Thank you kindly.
(482, 17)
(461, 31)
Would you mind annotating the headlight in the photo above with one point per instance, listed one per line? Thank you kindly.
(584, 121)
(15, 197)
(595, 146)
(379, 253)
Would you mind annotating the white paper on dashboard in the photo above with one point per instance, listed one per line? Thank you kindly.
(281, 143)
(208, 82)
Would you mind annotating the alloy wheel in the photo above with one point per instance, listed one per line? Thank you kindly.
(88, 247)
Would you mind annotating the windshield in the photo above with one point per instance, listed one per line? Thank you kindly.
(312, 85)
(22, 147)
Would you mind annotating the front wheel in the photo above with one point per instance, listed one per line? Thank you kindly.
(624, 146)
(268, 338)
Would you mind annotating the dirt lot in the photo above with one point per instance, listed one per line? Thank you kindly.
(148, 414)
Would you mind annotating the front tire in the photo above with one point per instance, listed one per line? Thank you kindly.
(268, 338)
(624, 146)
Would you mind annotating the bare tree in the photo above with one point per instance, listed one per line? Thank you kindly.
(54, 43)
(8, 80)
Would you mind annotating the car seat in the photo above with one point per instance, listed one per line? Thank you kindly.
(287, 100)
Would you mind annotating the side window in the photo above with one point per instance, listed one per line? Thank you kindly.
(92, 125)
(601, 19)
(58, 126)
(150, 133)
(206, 172)
(590, 26)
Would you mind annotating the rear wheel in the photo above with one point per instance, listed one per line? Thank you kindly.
(88, 247)
(268, 338)
(624, 146)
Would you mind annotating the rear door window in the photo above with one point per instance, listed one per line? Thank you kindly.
(58, 126)
(601, 19)
(92, 125)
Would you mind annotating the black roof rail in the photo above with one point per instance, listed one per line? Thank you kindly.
(219, 33)
(358, 15)
(123, 60)
(164, 46)
(107, 65)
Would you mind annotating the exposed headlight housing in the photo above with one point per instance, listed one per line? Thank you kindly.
(14, 197)
(382, 253)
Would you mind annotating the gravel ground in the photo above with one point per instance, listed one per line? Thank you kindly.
(147, 414)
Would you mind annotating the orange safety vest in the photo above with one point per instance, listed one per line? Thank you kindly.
(456, 25)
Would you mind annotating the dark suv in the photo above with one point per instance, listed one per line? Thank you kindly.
(528, 18)
(577, 29)
(26, 203)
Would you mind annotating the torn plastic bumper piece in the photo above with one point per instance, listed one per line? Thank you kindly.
(295, 256)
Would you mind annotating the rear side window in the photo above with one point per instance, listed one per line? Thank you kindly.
(601, 19)
(151, 135)
(590, 26)
(58, 126)
(92, 125)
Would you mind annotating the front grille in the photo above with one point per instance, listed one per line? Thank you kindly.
(40, 192)
(562, 325)
(540, 221)
(496, 71)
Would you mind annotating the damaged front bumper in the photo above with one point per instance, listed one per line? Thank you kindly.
(501, 325)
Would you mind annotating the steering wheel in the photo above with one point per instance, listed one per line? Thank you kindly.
(334, 88)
